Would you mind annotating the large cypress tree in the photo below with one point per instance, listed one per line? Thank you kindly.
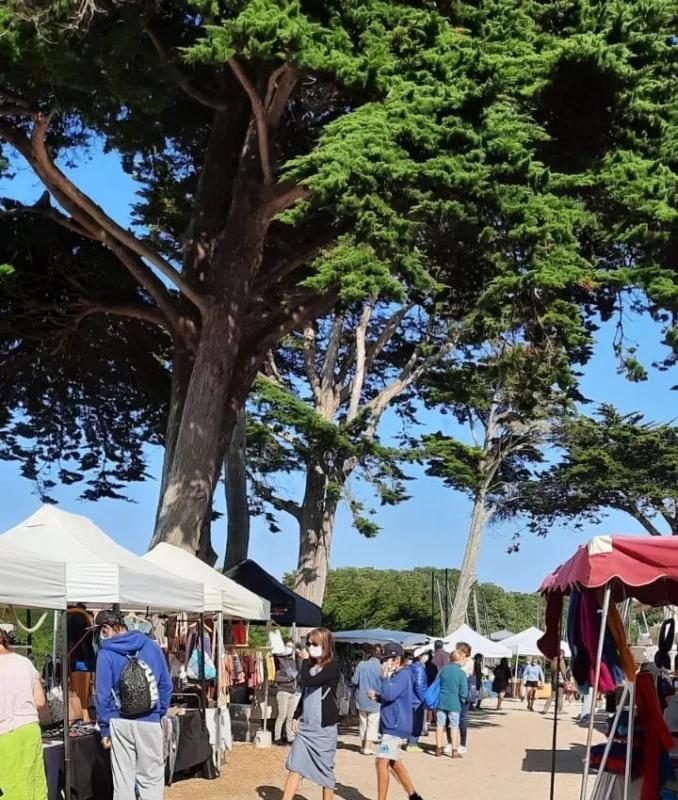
(293, 153)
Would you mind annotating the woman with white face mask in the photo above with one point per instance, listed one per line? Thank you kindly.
(288, 694)
(315, 744)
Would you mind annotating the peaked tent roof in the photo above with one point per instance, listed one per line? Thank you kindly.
(499, 636)
(525, 643)
(100, 572)
(220, 593)
(479, 644)
(287, 607)
(380, 636)
(28, 580)
(643, 567)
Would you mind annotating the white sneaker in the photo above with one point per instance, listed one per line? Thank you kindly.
(462, 750)
(447, 749)
(367, 752)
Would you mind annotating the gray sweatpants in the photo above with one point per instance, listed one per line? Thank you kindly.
(137, 760)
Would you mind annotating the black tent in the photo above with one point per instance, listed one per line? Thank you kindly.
(287, 607)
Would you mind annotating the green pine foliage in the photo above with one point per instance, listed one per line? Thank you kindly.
(610, 461)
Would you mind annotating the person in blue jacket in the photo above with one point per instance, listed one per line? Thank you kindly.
(136, 743)
(395, 697)
(419, 686)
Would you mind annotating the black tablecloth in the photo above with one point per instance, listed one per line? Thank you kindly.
(194, 751)
(91, 777)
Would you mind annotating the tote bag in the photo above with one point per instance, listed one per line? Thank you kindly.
(432, 694)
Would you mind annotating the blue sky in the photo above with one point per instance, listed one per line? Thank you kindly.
(429, 529)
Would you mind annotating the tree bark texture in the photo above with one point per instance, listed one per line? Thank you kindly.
(467, 576)
(316, 526)
(235, 483)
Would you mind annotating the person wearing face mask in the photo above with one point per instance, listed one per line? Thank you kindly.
(316, 722)
(395, 696)
(135, 740)
(287, 696)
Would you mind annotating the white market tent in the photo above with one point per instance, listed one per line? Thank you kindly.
(219, 592)
(100, 572)
(525, 643)
(30, 581)
(381, 636)
(479, 644)
(499, 636)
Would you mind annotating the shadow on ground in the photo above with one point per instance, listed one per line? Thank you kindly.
(343, 792)
(567, 761)
(274, 793)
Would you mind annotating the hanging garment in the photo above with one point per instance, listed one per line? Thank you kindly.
(657, 739)
(616, 626)
(590, 628)
(581, 661)
(549, 643)
(667, 633)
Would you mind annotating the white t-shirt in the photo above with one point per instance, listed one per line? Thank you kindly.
(17, 681)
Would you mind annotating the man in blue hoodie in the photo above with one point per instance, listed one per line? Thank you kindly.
(136, 742)
(395, 697)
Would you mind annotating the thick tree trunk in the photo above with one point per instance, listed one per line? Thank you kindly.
(182, 366)
(235, 483)
(467, 578)
(316, 526)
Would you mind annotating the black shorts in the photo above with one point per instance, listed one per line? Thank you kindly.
(532, 684)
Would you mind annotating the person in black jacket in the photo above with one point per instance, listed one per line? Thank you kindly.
(287, 695)
(315, 745)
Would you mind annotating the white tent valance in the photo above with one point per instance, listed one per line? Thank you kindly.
(479, 644)
(525, 643)
(27, 580)
(219, 592)
(380, 636)
(100, 572)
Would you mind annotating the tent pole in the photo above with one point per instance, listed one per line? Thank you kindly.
(65, 670)
(220, 661)
(629, 739)
(610, 740)
(203, 682)
(594, 693)
(554, 743)
(55, 633)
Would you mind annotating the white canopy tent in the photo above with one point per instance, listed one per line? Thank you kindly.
(30, 581)
(525, 643)
(100, 572)
(479, 644)
(380, 636)
(219, 592)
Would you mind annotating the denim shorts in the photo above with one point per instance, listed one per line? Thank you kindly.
(447, 718)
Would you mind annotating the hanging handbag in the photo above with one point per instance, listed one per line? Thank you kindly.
(193, 669)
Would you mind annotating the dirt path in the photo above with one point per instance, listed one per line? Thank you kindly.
(509, 756)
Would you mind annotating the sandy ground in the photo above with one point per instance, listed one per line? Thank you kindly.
(509, 756)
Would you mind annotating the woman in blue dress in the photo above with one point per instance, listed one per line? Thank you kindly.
(315, 745)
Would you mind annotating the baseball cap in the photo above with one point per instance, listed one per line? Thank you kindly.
(392, 650)
(109, 617)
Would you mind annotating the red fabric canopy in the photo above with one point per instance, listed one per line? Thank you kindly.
(643, 567)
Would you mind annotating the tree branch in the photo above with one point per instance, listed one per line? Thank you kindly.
(203, 98)
(332, 353)
(280, 86)
(279, 503)
(83, 209)
(389, 331)
(130, 311)
(644, 520)
(260, 119)
(310, 355)
(360, 362)
(288, 264)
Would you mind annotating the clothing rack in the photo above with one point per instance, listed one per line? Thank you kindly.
(246, 649)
